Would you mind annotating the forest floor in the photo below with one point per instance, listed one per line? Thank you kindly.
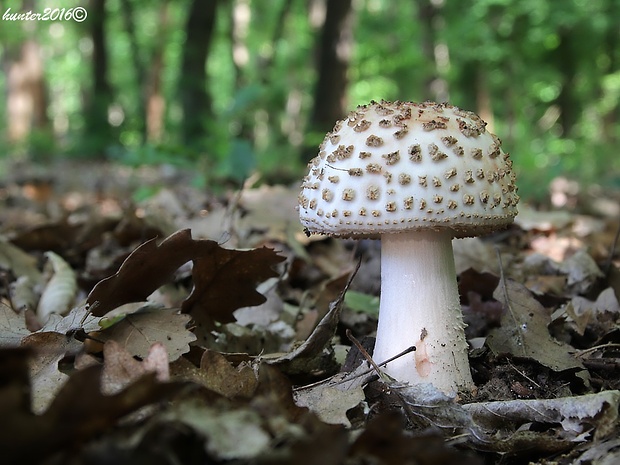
(143, 320)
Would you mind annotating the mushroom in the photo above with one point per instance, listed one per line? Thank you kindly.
(414, 175)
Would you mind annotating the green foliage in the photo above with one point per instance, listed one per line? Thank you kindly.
(548, 69)
(363, 303)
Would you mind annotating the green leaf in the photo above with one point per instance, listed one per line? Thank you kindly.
(363, 303)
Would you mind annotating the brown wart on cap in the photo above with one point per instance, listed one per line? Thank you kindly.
(451, 179)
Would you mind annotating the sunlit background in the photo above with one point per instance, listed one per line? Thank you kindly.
(231, 88)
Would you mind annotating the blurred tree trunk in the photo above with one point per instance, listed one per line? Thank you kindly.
(26, 98)
(334, 53)
(138, 65)
(240, 14)
(435, 52)
(611, 49)
(484, 106)
(476, 95)
(566, 63)
(195, 99)
(266, 63)
(98, 130)
(155, 101)
(334, 56)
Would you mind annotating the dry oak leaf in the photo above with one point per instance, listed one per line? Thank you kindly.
(138, 331)
(79, 318)
(45, 377)
(225, 379)
(12, 326)
(224, 280)
(120, 368)
(78, 412)
(146, 269)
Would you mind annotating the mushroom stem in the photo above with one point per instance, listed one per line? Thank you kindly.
(420, 306)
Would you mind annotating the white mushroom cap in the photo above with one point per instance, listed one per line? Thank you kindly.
(397, 166)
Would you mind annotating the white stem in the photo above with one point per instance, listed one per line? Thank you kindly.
(420, 306)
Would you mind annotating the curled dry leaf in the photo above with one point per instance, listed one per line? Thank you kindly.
(308, 356)
(512, 426)
(581, 271)
(59, 291)
(584, 312)
(578, 416)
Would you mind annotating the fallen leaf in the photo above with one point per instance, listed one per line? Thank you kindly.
(523, 331)
(45, 376)
(120, 368)
(78, 318)
(270, 214)
(578, 416)
(225, 280)
(231, 433)
(473, 252)
(78, 413)
(308, 353)
(12, 326)
(330, 403)
(528, 219)
(59, 291)
(18, 262)
(24, 295)
(225, 379)
(584, 312)
(600, 453)
(138, 331)
(386, 441)
(147, 268)
(581, 271)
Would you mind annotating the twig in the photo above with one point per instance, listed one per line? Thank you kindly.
(358, 375)
(583, 352)
(523, 374)
(408, 350)
(363, 351)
